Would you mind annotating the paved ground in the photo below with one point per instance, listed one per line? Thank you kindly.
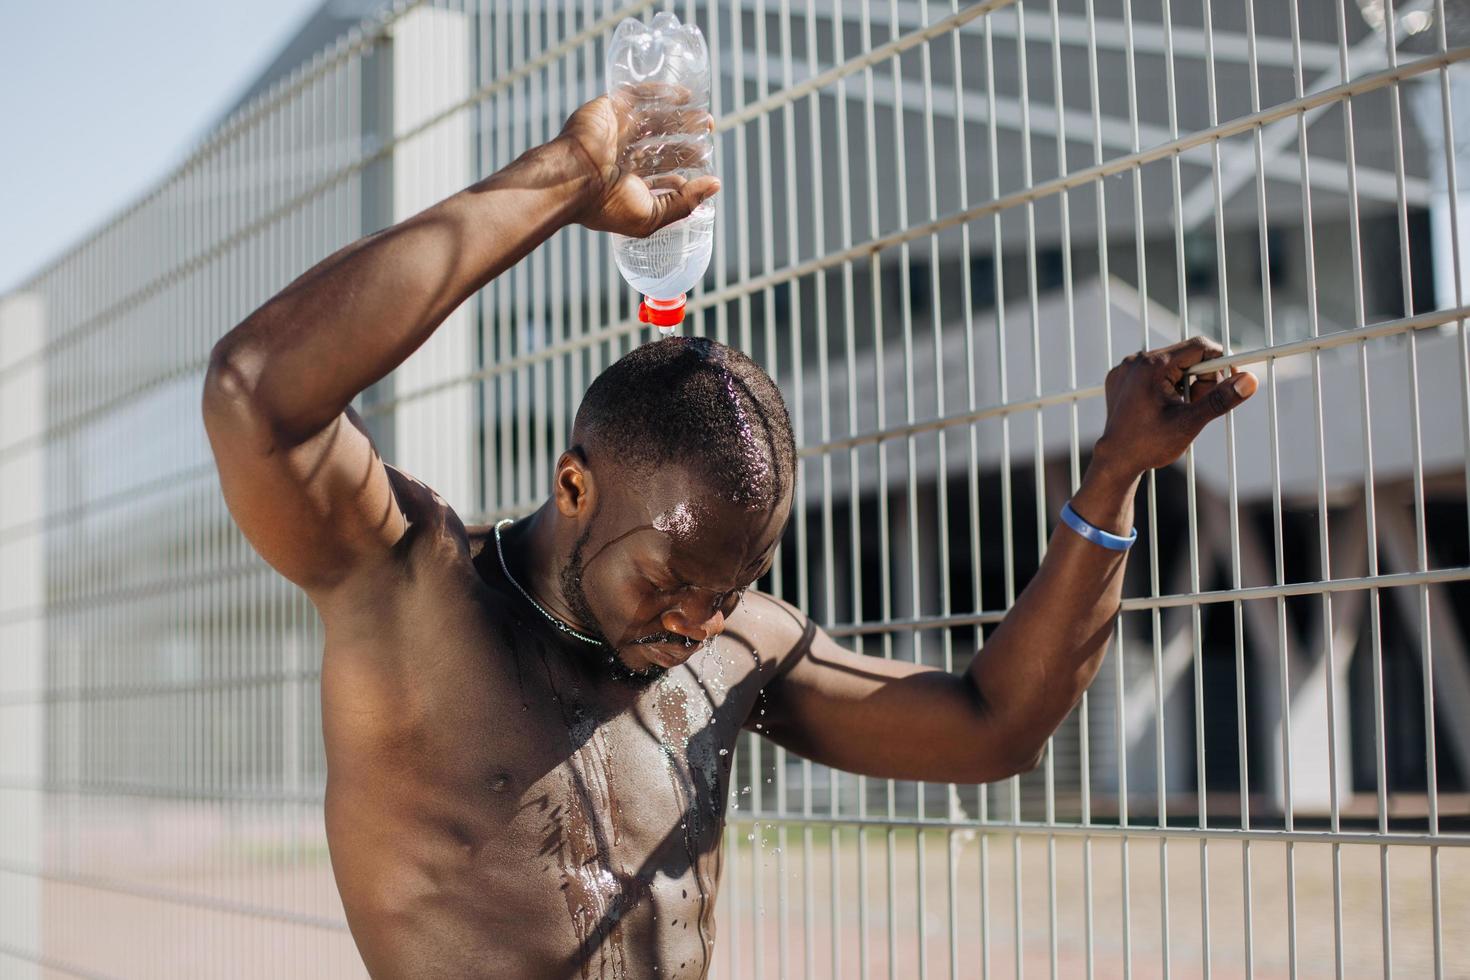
(143, 915)
(1412, 940)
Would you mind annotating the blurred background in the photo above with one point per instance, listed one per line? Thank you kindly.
(940, 225)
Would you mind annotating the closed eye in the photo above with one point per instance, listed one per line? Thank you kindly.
(662, 590)
(722, 600)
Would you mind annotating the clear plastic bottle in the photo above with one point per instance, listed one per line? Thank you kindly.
(646, 62)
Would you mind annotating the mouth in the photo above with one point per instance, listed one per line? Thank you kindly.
(668, 654)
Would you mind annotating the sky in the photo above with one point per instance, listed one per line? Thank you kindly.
(100, 100)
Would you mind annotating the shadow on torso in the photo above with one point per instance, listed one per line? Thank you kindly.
(497, 803)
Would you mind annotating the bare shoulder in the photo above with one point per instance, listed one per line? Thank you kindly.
(430, 517)
(779, 633)
(407, 638)
(434, 548)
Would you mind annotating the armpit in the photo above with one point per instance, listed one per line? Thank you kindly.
(422, 507)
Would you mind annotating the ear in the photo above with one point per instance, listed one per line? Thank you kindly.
(573, 488)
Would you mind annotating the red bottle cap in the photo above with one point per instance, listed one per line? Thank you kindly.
(662, 312)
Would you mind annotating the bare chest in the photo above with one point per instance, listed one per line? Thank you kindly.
(513, 801)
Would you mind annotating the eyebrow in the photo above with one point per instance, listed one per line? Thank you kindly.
(669, 570)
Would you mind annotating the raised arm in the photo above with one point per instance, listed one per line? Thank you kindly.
(299, 473)
(896, 719)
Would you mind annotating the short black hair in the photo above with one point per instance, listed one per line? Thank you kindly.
(700, 403)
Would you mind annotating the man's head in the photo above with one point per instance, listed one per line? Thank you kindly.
(672, 497)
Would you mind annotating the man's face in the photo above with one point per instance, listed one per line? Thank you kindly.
(657, 570)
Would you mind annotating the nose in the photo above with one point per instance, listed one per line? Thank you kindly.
(697, 629)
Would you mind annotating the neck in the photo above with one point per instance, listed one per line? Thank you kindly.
(535, 552)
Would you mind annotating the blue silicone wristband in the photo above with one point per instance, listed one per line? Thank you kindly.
(1096, 534)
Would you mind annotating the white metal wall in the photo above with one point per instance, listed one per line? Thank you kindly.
(940, 225)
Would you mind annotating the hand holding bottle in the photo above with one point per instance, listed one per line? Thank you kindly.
(622, 136)
(658, 77)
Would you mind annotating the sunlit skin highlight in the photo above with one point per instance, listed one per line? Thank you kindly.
(630, 576)
(505, 800)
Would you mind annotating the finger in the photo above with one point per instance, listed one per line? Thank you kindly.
(654, 91)
(659, 156)
(679, 203)
(1201, 386)
(1190, 344)
(684, 119)
(665, 182)
(664, 122)
(1220, 398)
(1186, 354)
(623, 101)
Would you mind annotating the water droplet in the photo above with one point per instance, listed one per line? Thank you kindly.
(750, 836)
(724, 751)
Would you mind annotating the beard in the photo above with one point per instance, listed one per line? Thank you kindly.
(570, 580)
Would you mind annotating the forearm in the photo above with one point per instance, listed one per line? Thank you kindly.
(359, 313)
(1046, 651)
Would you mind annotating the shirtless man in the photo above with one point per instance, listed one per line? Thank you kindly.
(528, 728)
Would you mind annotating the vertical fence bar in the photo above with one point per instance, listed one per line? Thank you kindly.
(1324, 560)
(1039, 477)
(880, 379)
(972, 455)
(849, 317)
(998, 286)
(803, 598)
(1452, 193)
(1421, 546)
(1141, 264)
(1359, 320)
(1100, 192)
(905, 302)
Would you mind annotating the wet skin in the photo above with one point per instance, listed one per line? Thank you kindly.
(500, 802)
(507, 804)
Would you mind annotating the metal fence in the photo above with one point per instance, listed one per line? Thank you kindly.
(940, 226)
